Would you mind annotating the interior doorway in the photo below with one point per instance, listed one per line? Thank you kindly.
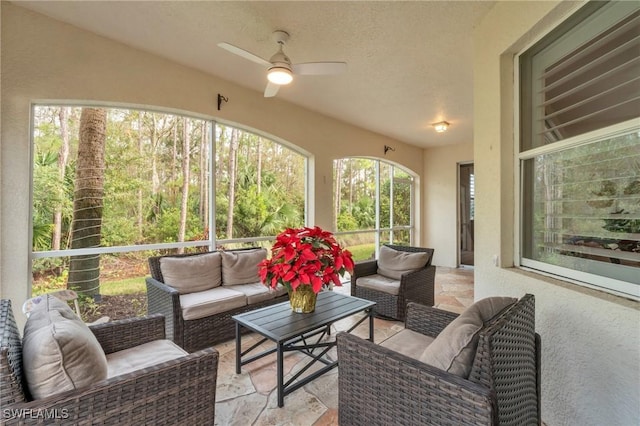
(466, 211)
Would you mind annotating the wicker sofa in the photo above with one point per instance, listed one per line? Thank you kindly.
(392, 290)
(237, 290)
(499, 384)
(159, 394)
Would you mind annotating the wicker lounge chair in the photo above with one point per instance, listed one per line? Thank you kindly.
(180, 391)
(417, 286)
(379, 386)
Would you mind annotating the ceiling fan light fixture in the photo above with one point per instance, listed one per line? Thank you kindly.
(441, 126)
(280, 75)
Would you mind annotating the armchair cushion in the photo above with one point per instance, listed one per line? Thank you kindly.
(394, 263)
(143, 356)
(380, 283)
(241, 267)
(455, 347)
(191, 274)
(60, 352)
(408, 342)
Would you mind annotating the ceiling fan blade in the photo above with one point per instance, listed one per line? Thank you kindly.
(271, 90)
(320, 68)
(245, 54)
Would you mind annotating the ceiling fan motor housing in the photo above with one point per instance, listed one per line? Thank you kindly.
(281, 60)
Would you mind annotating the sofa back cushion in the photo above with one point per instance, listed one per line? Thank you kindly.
(241, 266)
(395, 263)
(454, 349)
(191, 274)
(59, 352)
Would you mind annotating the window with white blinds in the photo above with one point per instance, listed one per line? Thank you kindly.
(586, 79)
(580, 149)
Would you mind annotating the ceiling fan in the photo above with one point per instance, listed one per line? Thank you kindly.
(280, 69)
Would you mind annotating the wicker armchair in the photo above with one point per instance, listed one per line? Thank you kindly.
(195, 334)
(378, 386)
(415, 286)
(181, 391)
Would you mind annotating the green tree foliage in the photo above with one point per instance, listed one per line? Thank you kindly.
(269, 186)
(144, 180)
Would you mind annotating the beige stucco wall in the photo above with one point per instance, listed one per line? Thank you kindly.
(43, 59)
(590, 340)
(440, 188)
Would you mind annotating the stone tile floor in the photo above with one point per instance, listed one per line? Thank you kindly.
(249, 398)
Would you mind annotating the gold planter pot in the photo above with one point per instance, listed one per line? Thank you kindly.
(303, 299)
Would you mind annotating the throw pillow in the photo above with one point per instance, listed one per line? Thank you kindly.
(59, 352)
(455, 347)
(191, 274)
(241, 267)
(395, 263)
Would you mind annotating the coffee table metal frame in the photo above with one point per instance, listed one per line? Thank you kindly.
(292, 331)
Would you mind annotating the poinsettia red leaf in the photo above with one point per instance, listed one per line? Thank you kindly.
(348, 261)
(295, 283)
(289, 253)
(317, 284)
(307, 253)
(338, 262)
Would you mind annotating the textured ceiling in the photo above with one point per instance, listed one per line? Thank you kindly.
(409, 63)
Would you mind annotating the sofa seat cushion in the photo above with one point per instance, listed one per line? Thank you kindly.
(395, 263)
(192, 274)
(379, 283)
(241, 267)
(409, 343)
(256, 292)
(142, 356)
(210, 302)
(454, 349)
(59, 351)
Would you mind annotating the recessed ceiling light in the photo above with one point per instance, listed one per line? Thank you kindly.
(441, 126)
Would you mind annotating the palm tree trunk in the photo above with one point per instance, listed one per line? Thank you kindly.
(84, 271)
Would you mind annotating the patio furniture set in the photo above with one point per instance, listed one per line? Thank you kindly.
(480, 367)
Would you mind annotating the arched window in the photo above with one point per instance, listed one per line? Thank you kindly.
(373, 205)
(113, 186)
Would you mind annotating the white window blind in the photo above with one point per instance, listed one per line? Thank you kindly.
(587, 79)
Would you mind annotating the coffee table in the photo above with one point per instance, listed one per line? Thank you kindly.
(291, 331)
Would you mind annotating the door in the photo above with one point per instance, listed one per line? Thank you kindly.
(466, 213)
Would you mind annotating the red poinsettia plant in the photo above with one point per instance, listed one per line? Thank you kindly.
(305, 256)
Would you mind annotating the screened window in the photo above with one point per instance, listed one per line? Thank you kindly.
(580, 149)
(260, 185)
(113, 186)
(372, 205)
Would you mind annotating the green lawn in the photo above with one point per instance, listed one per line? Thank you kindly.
(362, 251)
(112, 288)
(126, 286)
